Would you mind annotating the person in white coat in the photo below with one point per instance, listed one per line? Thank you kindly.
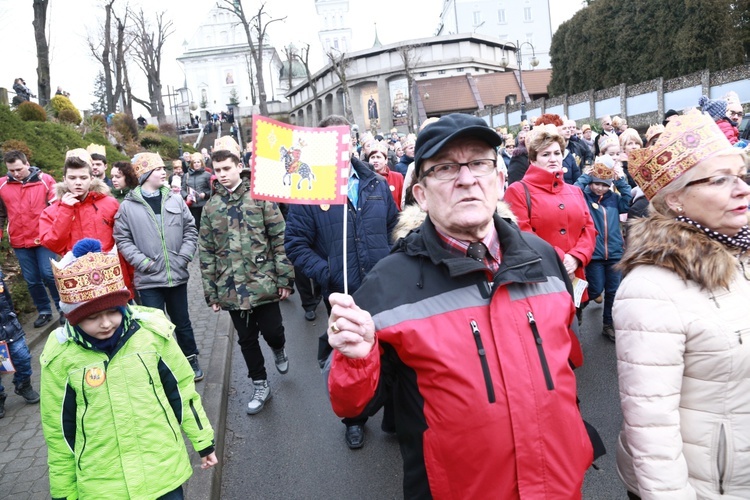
(683, 328)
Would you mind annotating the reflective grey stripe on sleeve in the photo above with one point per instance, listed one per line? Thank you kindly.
(453, 300)
(520, 291)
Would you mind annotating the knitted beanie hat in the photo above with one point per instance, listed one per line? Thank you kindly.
(715, 108)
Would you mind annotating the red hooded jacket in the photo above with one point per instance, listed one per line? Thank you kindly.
(22, 203)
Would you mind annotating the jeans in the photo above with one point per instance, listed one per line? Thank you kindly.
(603, 277)
(175, 494)
(265, 320)
(21, 357)
(176, 300)
(37, 271)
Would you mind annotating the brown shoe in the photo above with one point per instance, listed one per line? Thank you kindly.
(609, 332)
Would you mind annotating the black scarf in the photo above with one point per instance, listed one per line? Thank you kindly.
(740, 241)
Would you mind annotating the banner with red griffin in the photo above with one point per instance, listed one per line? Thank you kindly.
(300, 165)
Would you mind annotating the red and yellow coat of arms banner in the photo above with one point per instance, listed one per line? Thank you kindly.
(299, 165)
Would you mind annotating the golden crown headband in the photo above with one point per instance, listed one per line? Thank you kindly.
(226, 143)
(89, 277)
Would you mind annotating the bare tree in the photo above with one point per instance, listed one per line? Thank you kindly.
(122, 47)
(255, 29)
(148, 45)
(111, 55)
(339, 65)
(42, 51)
(409, 57)
(249, 66)
(304, 58)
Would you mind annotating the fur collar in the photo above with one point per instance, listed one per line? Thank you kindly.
(97, 186)
(411, 217)
(661, 241)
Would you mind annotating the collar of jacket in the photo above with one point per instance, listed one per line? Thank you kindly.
(241, 188)
(136, 194)
(97, 188)
(543, 179)
(658, 240)
(34, 174)
(129, 328)
(520, 263)
(364, 172)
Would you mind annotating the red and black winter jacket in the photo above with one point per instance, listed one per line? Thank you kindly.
(481, 372)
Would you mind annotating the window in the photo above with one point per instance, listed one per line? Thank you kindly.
(336, 43)
(459, 70)
(501, 16)
(477, 18)
(423, 74)
(441, 72)
(530, 38)
(527, 14)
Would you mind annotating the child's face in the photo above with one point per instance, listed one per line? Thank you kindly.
(598, 188)
(102, 325)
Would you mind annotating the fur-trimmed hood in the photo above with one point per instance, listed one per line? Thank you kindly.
(97, 186)
(412, 216)
(661, 241)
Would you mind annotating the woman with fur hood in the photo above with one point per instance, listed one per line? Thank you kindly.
(683, 332)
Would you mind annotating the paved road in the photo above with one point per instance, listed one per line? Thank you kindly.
(295, 448)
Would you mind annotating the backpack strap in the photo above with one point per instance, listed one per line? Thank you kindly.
(528, 199)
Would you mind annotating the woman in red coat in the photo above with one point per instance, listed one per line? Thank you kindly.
(555, 211)
(378, 158)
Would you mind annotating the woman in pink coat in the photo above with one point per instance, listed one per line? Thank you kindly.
(555, 211)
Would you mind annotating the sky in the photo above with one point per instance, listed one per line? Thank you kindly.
(71, 21)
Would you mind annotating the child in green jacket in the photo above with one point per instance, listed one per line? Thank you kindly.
(116, 390)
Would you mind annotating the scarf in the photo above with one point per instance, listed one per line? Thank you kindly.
(740, 241)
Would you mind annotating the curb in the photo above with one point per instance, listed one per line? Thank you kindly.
(206, 485)
(34, 336)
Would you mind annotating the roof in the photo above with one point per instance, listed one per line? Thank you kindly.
(454, 93)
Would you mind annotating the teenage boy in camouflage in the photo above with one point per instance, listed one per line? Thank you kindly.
(244, 266)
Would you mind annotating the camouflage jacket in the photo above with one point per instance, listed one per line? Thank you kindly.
(242, 257)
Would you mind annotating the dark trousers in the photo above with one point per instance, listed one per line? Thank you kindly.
(196, 212)
(265, 320)
(309, 291)
(633, 496)
(604, 277)
(176, 300)
(175, 494)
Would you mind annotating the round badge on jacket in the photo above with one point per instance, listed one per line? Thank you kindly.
(95, 376)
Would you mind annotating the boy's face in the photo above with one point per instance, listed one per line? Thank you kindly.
(598, 188)
(227, 172)
(78, 181)
(156, 179)
(102, 325)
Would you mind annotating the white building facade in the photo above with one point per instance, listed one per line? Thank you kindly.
(509, 20)
(219, 66)
(335, 33)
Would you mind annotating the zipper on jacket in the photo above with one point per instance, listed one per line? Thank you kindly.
(195, 415)
(483, 361)
(540, 350)
(83, 417)
(606, 230)
(153, 388)
(721, 459)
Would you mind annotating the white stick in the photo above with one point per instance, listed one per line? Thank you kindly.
(346, 268)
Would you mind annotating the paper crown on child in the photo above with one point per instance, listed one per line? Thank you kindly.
(96, 149)
(607, 140)
(687, 140)
(79, 153)
(89, 281)
(145, 163)
(226, 143)
(603, 170)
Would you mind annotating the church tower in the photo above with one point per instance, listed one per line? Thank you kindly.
(336, 34)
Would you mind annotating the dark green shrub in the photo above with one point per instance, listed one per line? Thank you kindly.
(17, 145)
(31, 112)
(60, 104)
(151, 140)
(126, 127)
(151, 128)
(69, 116)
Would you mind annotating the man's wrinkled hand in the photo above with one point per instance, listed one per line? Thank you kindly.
(351, 330)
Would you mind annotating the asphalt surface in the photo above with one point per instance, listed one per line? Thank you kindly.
(295, 449)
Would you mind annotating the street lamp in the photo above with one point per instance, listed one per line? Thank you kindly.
(519, 61)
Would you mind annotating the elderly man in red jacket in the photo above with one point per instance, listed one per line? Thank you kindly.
(469, 326)
(24, 194)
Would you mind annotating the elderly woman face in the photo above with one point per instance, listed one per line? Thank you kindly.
(550, 158)
(718, 196)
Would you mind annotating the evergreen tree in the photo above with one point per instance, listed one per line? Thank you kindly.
(99, 106)
(630, 41)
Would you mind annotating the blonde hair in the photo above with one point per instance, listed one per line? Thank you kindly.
(628, 135)
(616, 122)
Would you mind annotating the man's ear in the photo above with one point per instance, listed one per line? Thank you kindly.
(418, 191)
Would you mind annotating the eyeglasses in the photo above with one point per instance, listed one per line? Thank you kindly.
(722, 181)
(449, 171)
(735, 113)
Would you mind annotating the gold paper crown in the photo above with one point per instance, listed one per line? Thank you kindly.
(687, 140)
(226, 143)
(653, 130)
(79, 153)
(96, 149)
(146, 162)
(603, 169)
(89, 277)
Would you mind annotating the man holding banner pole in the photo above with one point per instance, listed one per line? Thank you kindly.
(324, 240)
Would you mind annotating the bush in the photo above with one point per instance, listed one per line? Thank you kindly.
(69, 116)
(17, 145)
(60, 104)
(126, 127)
(151, 140)
(151, 128)
(167, 129)
(31, 112)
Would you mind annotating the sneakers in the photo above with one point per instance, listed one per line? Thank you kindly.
(355, 436)
(193, 358)
(2, 404)
(27, 392)
(42, 320)
(609, 332)
(281, 360)
(599, 299)
(261, 394)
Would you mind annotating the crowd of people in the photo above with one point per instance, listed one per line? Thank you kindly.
(456, 308)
